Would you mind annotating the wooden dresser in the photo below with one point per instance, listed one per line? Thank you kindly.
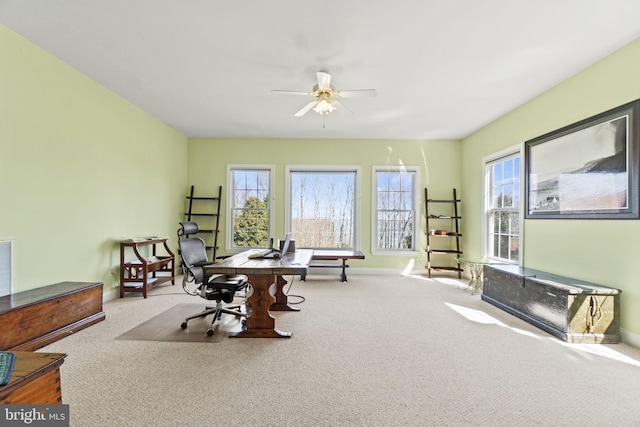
(35, 379)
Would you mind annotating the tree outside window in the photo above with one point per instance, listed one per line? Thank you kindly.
(322, 208)
(250, 208)
(395, 210)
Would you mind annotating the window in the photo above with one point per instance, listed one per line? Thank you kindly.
(322, 206)
(502, 191)
(6, 267)
(250, 206)
(395, 209)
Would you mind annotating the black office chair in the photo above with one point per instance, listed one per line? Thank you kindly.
(221, 288)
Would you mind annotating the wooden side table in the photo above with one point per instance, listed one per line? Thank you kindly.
(140, 273)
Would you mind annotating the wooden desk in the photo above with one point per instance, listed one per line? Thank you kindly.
(334, 255)
(265, 277)
(35, 379)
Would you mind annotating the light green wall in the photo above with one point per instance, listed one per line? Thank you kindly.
(80, 168)
(600, 251)
(438, 161)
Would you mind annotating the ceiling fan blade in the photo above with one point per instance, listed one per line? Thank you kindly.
(291, 92)
(324, 80)
(306, 108)
(341, 105)
(357, 93)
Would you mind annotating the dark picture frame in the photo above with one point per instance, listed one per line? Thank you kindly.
(587, 170)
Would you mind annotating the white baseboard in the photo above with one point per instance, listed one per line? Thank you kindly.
(361, 271)
(110, 294)
(630, 338)
(388, 271)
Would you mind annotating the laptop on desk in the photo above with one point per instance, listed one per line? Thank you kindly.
(272, 252)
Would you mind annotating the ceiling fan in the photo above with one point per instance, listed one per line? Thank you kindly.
(326, 96)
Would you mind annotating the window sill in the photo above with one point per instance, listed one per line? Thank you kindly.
(407, 253)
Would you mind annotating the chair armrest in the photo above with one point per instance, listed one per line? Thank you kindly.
(202, 264)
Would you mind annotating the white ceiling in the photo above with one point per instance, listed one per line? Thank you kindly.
(442, 68)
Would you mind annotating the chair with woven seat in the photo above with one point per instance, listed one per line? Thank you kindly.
(218, 288)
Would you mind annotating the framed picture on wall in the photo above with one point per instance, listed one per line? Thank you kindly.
(587, 170)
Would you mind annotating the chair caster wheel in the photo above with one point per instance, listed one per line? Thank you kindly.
(210, 332)
(184, 325)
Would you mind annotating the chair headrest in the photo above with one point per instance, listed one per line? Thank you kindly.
(187, 228)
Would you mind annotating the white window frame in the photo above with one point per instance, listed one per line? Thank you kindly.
(374, 209)
(357, 223)
(6, 267)
(511, 152)
(229, 247)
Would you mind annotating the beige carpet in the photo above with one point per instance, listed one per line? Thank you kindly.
(375, 351)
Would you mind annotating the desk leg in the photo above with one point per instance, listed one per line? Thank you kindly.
(344, 270)
(282, 301)
(261, 324)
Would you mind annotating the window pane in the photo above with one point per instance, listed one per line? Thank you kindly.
(394, 181)
(322, 208)
(507, 196)
(515, 250)
(503, 224)
(250, 208)
(497, 197)
(395, 211)
(395, 230)
(497, 174)
(515, 224)
(406, 183)
(503, 251)
(496, 246)
(495, 221)
(508, 170)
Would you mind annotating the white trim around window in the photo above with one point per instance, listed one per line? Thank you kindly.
(229, 247)
(6, 267)
(511, 152)
(357, 223)
(415, 171)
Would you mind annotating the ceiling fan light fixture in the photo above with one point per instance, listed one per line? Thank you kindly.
(324, 105)
(326, 97)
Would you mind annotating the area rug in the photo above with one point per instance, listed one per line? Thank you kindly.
(166, 326)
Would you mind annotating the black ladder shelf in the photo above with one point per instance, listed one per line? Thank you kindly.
(449, 218)
(208, 217)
